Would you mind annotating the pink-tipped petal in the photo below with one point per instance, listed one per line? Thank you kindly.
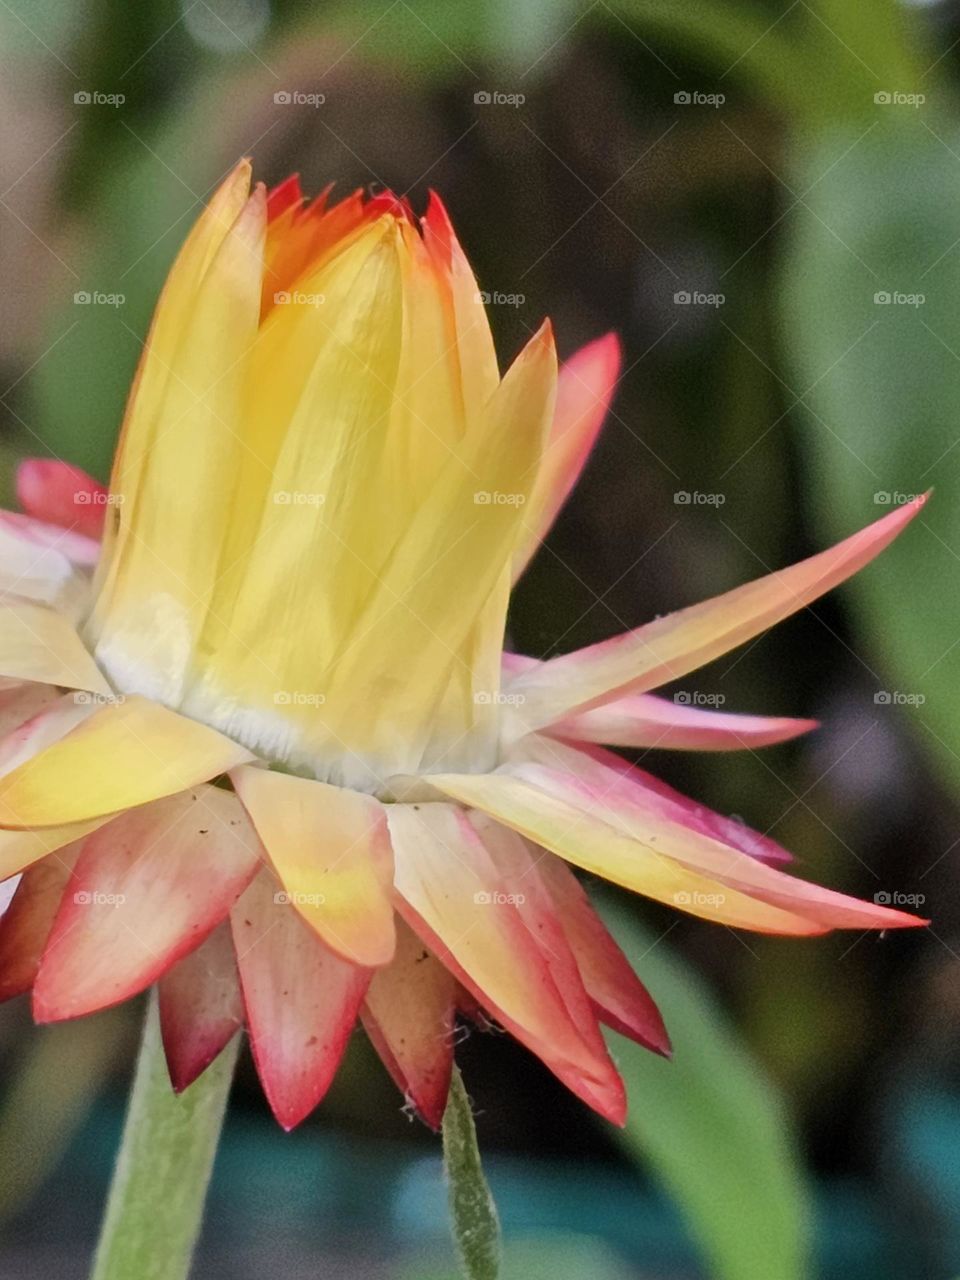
(556, 811)
(644, 720)
(479, 374)
(584, 391)
(200, 1007)
(727, 885)
(519, 864)
(301, 1000)
(25, 925)
(671, 646)
(409, 1015)
(147, 888)
(331, 851)
(60, 494)
(616, 779)
(455, 897)
(621, 999)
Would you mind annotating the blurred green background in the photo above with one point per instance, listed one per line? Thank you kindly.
(763, 199)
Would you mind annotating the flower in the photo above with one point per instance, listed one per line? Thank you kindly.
(293, 778)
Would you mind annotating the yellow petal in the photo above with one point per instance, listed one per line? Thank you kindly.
(123, 755)
(414, 667)
(475, 351)
(303, 546)
(331, 851)
(178, 457)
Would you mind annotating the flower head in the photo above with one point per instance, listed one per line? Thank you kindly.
(262, 744)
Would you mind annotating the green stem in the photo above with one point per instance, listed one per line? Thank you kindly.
(473, 1215)
(166, 1156)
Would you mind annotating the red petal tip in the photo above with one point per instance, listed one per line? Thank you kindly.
(284, 196)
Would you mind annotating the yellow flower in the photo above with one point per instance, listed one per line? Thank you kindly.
(294, 778)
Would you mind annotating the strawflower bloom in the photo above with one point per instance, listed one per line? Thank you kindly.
(261, 743)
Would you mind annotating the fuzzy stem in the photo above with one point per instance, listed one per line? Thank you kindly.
(473, 1215)
(166, 1157)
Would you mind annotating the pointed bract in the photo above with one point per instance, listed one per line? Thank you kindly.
(301, 1000)
(409, 1015)
(680, 642)
(147, 888)
(201, 1008)
(25, 925)
(584, 390)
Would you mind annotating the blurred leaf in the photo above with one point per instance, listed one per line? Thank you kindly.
(881, 411)
(876, 39)
(712, 1128)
